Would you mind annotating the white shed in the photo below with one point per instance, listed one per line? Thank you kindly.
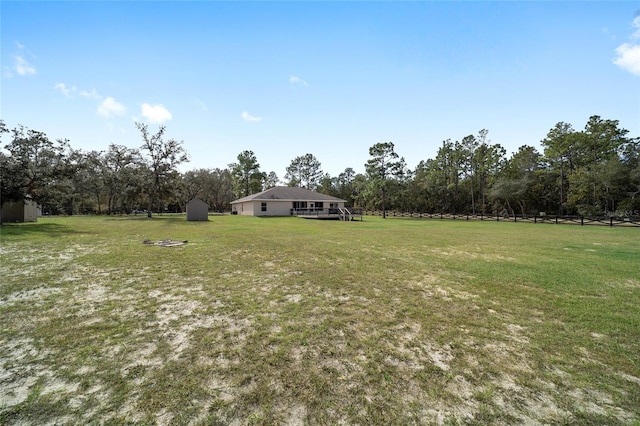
(197, 210)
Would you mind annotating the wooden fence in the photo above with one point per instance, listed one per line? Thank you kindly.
(633, 221)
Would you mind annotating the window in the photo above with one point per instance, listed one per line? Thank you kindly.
(297, 205)
(264, 207)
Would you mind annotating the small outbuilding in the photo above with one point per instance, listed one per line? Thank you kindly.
(289, 201)
(197, 210)
(19, 211)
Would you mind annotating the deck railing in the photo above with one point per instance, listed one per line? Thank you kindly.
(611, 221)
(343, 213)
(314, 212)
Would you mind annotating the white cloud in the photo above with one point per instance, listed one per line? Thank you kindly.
(66, 91)
(89, 95)
(297, 80)
(107, 107)
(628, 54)
(155, 113)
(62, 88)
(110, 107)
(20, 65)
(23, 67)
(248, 117)
(628, 58)
(73, 90)
(636, 24)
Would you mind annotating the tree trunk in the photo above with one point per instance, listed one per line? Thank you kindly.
(384, 210)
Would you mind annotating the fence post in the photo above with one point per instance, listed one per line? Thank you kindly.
(581, 220)
(611, 221)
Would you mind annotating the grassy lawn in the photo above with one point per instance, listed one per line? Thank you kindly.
(292, 321)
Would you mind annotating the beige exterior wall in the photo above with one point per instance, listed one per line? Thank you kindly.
(245, 208)
(276, 207)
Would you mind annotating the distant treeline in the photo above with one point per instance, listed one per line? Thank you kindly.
(591, 172)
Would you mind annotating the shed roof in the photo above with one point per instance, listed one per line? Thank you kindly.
(197, 201)
(287, 193)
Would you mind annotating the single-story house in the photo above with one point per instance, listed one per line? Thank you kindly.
(287, 201)
(197, 210)
(19, 211)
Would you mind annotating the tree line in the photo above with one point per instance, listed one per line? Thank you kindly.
(589, 172)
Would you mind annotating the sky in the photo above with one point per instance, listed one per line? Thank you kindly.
(330, 78)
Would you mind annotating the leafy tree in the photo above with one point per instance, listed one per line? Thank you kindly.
(271, 181)
(162, 158)
(193, 185)
(519, 181)
(360, 191)
(70, 188)
(594, 159)
(487, 162)
(247, 177)
(561, 152)
(220, 190)
(91, 178)
(344, 186)
(440, 177)
(33, 167)
(115, 162)
(304, 171)
(603, 140)
(212, 186)
(420, 187)
(630, 156)
(466, 153)
(135, 195)
(479, 163)
(327, 185)
(383, 166)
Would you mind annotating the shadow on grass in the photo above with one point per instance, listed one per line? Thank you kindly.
(143, 217)
(32, 228)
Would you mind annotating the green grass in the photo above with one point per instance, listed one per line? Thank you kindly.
(292, 321)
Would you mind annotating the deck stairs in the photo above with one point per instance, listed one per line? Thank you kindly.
(349, 215)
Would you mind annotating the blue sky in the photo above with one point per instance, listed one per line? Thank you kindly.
(329, 78)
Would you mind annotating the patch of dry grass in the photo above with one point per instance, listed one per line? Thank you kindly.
(287, 321)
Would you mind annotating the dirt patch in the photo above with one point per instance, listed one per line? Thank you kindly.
(453, 252)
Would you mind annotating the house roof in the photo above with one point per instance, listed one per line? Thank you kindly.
(287, 193)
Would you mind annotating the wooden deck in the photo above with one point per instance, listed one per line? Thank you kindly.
(347, 214)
